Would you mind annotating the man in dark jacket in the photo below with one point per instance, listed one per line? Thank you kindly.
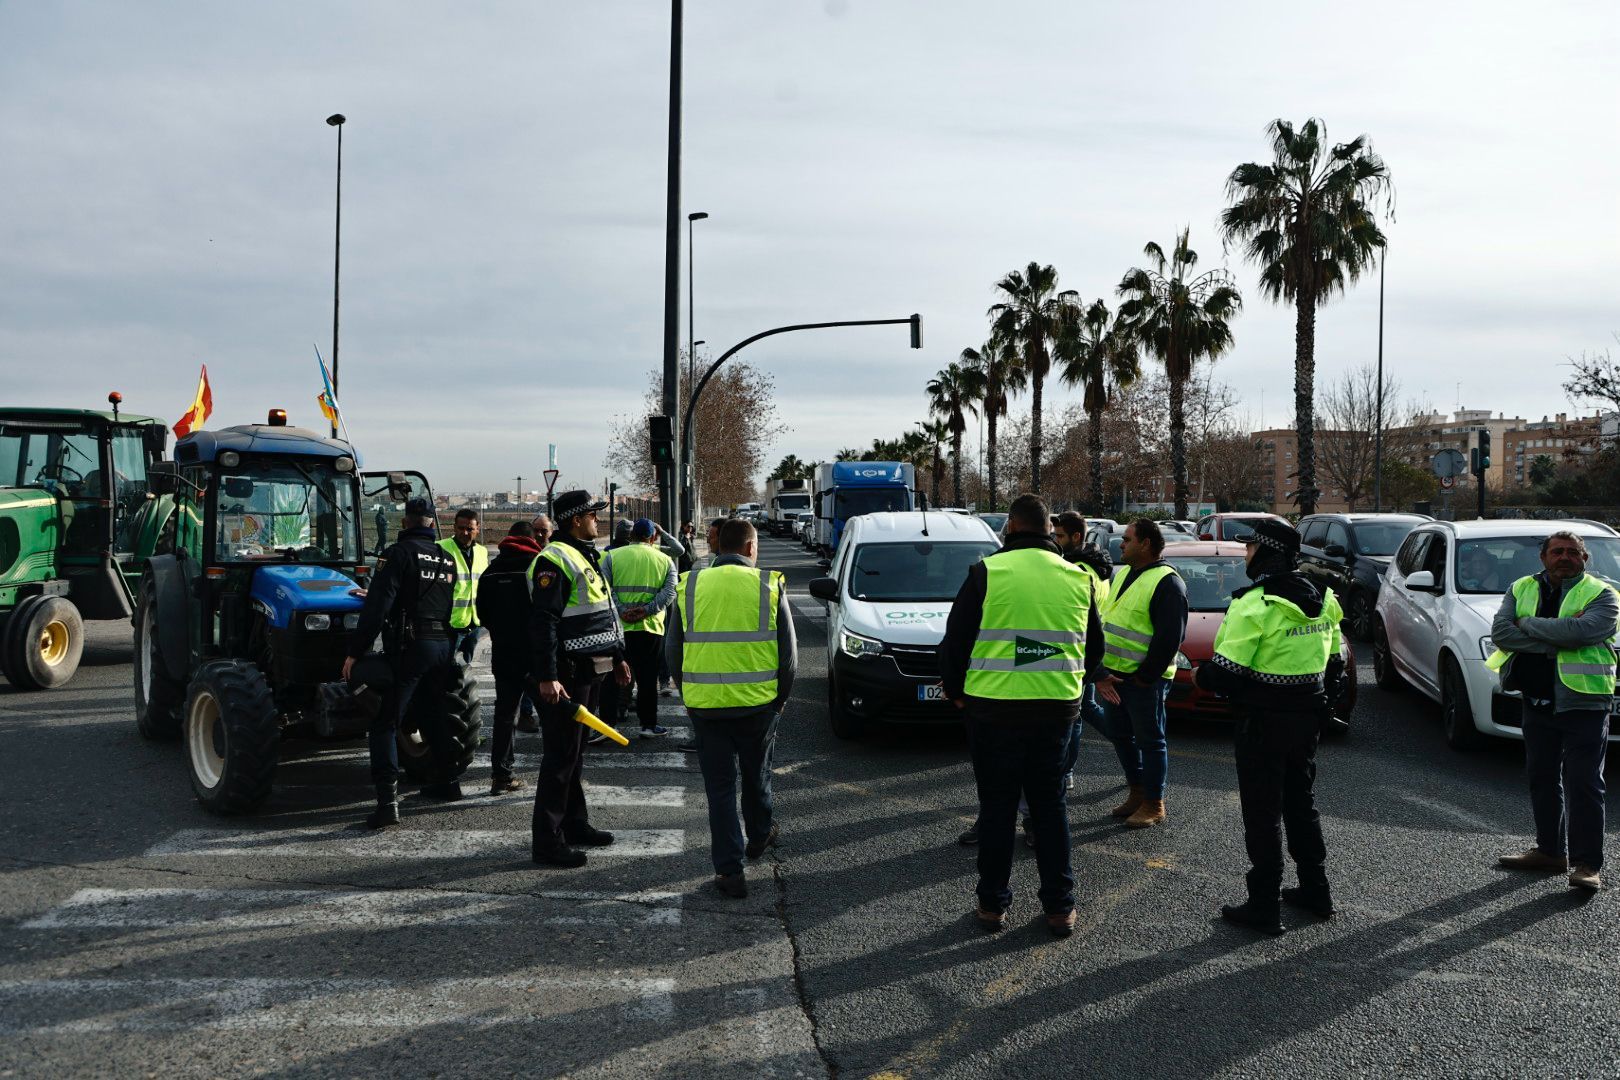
(505, 596)
(577, 642)
(409, 604)
(1277, 657)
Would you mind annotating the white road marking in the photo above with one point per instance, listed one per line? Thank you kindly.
(324, 842)
(256, 909)
(60, 1006)
(1455, 813)
(609, 795)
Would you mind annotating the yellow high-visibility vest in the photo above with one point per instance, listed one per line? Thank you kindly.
(639, 572)
(1032, 635)
(1127, 623)
(728, 636)
(464, 601)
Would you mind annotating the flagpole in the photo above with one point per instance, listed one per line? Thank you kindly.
(336, 120)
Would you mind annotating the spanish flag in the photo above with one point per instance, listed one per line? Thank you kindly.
(201, 409)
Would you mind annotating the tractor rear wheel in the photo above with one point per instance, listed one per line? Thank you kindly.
(458, 708)
(44, 639)
(232, 740)
(159, 700)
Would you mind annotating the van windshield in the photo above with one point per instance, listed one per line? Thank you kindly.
(919, 570)
(853, 502)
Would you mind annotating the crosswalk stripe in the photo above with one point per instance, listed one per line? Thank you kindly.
(325, 842)
(255, 909)
(57, 1006)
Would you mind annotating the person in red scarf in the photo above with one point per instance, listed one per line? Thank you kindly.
(503, 607)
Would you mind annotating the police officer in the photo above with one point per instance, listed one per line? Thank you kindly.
(1022, 637)
(734, 655)
(471, 559)
(577, 643)
(642, 580)
(1554, 635)
(1278, 658)
(409, 604)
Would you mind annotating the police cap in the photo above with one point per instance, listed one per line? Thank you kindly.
(1276, 535)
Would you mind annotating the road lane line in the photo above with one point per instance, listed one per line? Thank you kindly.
(322, 842)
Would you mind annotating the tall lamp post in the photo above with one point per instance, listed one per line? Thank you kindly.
(686, 484)
(337, 120)
(915, 321)
(1378, 425)
(669, 479)
(691, 385)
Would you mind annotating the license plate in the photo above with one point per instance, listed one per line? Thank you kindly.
(935, 692)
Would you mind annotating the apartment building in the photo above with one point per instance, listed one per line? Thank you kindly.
(1563, 439)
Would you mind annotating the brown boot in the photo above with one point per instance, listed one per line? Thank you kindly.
(1132, 801)
(1149, 814)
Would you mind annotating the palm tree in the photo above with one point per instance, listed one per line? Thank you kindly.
(1307, 220)
(1100, 355)
(791, 468)
(1181, 322)
(1029, 321)
(1002, 376)
(929, 438)
(952, 394)
(848, 453)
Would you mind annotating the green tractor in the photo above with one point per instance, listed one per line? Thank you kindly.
(77, 523)
(242, 626)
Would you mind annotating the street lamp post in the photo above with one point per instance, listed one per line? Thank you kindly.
(1378, 426)
(669, 480)
(691, 384)
(915, 321)
(687, 486)
(337, 120)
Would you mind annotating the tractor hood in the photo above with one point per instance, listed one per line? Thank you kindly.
(22, 498)
(281, 592)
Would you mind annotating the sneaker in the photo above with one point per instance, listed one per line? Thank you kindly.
(500, 785)
(754, 851)
(732, 885)
(595, 737)
(666, 688)
(1584, 877)
(657, 731)
(690, 746)
(1061, 925)
(990, 920)
(562, 856)
(1536, 860)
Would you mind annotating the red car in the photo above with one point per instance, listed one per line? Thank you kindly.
(1212, 571)
(1230, 526)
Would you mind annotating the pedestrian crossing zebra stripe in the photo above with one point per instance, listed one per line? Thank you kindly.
(341, 842)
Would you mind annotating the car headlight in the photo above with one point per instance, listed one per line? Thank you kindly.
(1486, 648)
(320, 621)
(1182, 663)
(351, 621)
(855, 645)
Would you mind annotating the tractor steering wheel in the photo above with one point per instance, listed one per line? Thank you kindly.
(61, 473)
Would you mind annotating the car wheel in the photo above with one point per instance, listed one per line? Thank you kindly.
(1360, 615)
(844, 724)
(1384, 673)
(1456, 714)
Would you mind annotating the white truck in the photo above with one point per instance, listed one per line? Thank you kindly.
(785, 500)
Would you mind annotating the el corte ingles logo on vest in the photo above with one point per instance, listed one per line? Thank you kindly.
(1026, 651)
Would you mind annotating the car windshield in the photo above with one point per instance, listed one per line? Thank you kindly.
(1493, 564)
(853, 502)
(918, 570)
(1210, 579)
(296, 511)
(1381, 537)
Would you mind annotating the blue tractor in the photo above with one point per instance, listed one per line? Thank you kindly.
(242, 622)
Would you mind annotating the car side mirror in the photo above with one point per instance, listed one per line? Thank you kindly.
(824, 588)
(1334, 551)
(1421, 581)
(823, 564)
(163, 478)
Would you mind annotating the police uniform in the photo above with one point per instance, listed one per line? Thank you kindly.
(577, 641)
(1278, 657)
(1021, 641)
(470, 562)
(408, 603)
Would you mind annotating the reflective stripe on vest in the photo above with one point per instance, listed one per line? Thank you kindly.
(1032, 632)
(1127, 622)
(639, 572)
(464, 598)
(1587, 670)
(589, 626)
(728, 636)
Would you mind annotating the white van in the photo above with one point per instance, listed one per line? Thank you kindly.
(888, 593)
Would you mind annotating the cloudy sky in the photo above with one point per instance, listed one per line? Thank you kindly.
(167, 198)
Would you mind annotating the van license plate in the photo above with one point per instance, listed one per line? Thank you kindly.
(936, 692)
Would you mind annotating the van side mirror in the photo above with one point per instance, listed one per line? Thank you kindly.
(824, 588)
(1421, 581)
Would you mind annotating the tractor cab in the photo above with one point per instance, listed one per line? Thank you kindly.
(243, 631)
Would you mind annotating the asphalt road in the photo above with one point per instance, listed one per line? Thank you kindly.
(140, 936)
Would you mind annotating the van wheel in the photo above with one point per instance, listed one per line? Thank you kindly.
(1456, 714)
(1384, 673)
(845, 725)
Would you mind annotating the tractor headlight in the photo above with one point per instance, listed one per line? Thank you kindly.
(1182, 663)
(344, 464)
(230, 459)
(351, 621)
(320, 621)
(857, 646)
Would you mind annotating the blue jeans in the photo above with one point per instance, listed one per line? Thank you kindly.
(1136, 728)
(725, 750)
(1563, 758)
(1006, 761)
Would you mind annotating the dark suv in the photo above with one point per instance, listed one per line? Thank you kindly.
(1350, 553)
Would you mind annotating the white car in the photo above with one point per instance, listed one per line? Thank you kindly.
(1432, 623)
(804, 528)
(888, 594)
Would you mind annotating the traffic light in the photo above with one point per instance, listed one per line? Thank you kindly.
(1482, 461)
(663, 440)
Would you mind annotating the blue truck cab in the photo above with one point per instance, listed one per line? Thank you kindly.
(848, 489)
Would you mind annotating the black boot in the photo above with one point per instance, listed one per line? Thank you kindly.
(1316, 899)
(387, 812)
(449, 791)
(1255, 915)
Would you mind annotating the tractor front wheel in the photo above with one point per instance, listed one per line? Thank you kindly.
(43, 641)
(458, 709)
(232, 740)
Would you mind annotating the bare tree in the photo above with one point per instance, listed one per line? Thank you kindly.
(1346, 444)
(1596, 377)
(736, 423)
